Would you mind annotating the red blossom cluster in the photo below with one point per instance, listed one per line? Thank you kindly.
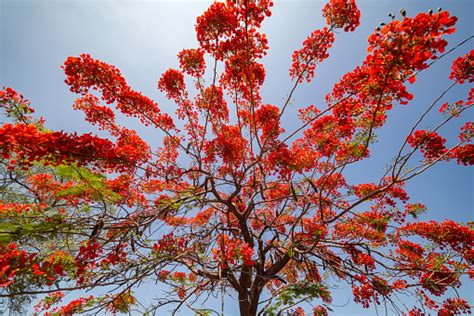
(467, 132)
(228, 26)
(131, 146)
(169, 245)
(454, 306)
(200, 218)
(86, 259)
(244, 77)
(85, 73)
(342, 14)
(52, 268)
(213, 25)
(453, 109)
(410, 253)
(433, 272)
(430, 144)
(180, 279)
(437, 281)
(230, 250)
(229, 145)
(39, 270)
(339, 14)
(12, 260)
(48, 301)
(229, 32)
(27, 144)
(192, 61)
(370, 226)
(360, 100)
(172, 82)
(320, 311)
(120, 303)
(74, 307)
(463, 68)
(95, 113)
(92, 255)
(14, 208)
(313, 52)
(447, 233)
(212, 102)
(16, 106)
(267, 120)
(464, 154)
(369, 290)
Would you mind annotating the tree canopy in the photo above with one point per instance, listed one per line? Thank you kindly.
(232, 203)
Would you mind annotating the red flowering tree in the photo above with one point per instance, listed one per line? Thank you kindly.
(232, 203)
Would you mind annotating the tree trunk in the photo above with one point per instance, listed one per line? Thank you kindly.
(248, 303)
(244, 305)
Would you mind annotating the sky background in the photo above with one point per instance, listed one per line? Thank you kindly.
(142, 39)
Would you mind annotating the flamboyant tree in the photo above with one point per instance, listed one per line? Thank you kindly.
(232, 204)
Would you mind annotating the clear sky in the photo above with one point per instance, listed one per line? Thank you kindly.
(142, 38)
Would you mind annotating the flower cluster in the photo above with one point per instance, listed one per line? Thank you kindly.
(213, 104)
(454, 306)
(121, 303)
(463, 68)
(370, 290)
(313, 52)
(342, 14)
(229, 145)
(453, 109)
(360, 100)
(430, 144)
(172, 82)
(244, 76)
(48, 301)
(16, 106)
(320, 311)
(229, 32)
(85, 73)
(95, 113)
(464, 154)
(230, 250)
(12, 260)
(131, 146)
(267, 120)
(169, 245)
(437, 281)
(27, 143)
(360, 258)
(213, 25)
(364, 293)
(86, 259)
(192, 62)
(447, 233)
(339, 14)
(74, 307)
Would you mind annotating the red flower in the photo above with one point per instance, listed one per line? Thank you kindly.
(429, 143)
(342, 14)
(192, 62)
(172, 82)
(218, 21)
(463, 68)
(85, 73)
(313, 52)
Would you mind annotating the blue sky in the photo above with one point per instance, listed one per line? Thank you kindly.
(142, 38)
